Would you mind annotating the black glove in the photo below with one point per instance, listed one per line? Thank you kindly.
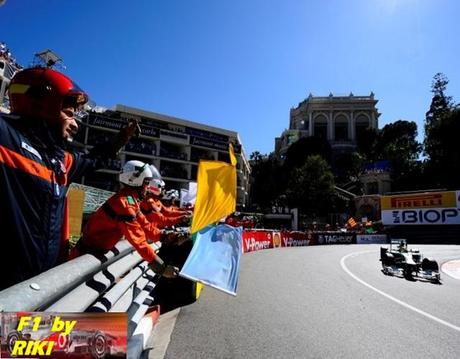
(160, 268)
(170, 271)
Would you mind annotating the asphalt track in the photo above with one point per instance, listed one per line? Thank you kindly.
(322, 302)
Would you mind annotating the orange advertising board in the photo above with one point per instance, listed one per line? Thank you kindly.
(76, 199)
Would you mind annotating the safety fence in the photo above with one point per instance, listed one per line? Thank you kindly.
(81, 285)
(118, 281)
(254, 240)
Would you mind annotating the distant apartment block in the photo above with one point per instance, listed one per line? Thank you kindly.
(173, 145)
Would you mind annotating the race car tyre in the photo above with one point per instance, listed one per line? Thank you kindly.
(430, 265)
(98, 346)
(11, 339)
(408, 273)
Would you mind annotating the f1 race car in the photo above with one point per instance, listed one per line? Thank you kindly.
(398, 260)
(91, 343)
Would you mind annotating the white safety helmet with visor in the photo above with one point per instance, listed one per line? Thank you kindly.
(171, 195)
(156, 184)
(135, 174)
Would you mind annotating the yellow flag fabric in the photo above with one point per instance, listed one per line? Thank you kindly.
(232, 155)
(216, 192)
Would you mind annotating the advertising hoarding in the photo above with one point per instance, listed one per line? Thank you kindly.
(430, 208)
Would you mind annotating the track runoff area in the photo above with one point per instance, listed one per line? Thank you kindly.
(322, 302)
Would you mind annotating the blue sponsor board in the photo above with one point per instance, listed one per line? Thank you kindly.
(206, 143)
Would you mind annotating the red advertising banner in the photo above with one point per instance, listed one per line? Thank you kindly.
(256, 240)
(264, 239)
(296, 239)
(66, 335)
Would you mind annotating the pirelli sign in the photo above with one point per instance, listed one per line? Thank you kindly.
(421, 208)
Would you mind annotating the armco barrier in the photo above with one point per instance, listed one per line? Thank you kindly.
(254, 240)
(119, 281)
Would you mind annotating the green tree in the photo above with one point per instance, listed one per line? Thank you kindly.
(395, 142)
(311, 187)
(300, 150)
(347, 168)
(256, 157)
(441, 104)
(367, 144)
(443, 167)
(266, 180)
(398, 145)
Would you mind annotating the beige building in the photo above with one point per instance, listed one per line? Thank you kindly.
(339, 119)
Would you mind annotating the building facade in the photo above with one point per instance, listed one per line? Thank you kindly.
(173, 145)
(7, 71)
(339, 119)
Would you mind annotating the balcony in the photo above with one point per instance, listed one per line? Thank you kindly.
(173, 170)
(113, 165)
(144, 147)
(175, 137)
(167, 153)
(343, 144)
(197, 155)
(96, 137)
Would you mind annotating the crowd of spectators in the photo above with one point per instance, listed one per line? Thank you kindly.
(96, 137)
(173, 171)
(246, 221)
(168, 153)
(197, 156)
(6, 54)
(368, 227)
(114, 165)
(141, 146)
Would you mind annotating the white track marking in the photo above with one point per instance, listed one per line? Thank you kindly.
(404, 304)
(452, 268)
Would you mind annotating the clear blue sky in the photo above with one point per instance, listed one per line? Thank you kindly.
(242, 64)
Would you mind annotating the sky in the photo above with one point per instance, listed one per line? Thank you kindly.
(242, 64)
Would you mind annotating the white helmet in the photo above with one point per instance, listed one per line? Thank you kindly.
(156, 186)
(135, 173)
(171, 194)
(155, 173)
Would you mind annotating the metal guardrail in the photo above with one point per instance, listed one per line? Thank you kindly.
(118, 281)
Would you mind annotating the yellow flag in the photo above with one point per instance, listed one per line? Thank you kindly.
(216, 192)
(232, 155)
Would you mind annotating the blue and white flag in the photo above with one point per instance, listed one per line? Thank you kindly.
(215, 258)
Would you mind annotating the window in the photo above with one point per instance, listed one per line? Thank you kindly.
(320, 127)
(341, 128)
(320, 130)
